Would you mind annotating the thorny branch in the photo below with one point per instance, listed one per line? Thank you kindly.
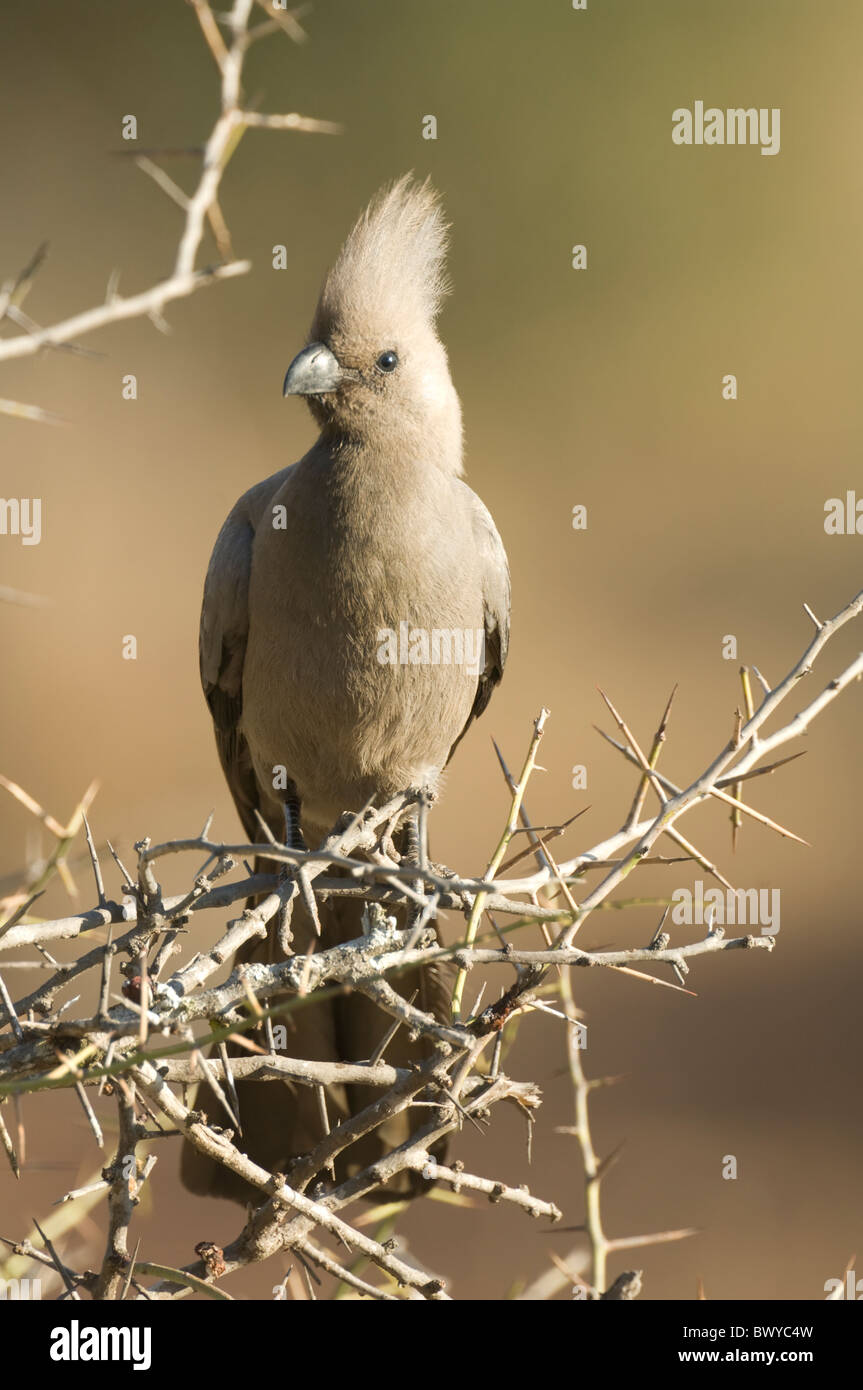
(199, 208)
(142, 1047)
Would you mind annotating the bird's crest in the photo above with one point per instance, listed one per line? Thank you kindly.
(391, 267)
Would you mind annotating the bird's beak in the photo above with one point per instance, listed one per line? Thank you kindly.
(313, 372)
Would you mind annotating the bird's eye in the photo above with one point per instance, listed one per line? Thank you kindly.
(388, 361)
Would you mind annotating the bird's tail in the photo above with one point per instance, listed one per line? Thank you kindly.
(281, 1120)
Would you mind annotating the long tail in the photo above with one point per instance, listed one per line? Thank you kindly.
(281, 1120)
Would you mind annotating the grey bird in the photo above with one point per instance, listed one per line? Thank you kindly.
(355, 621)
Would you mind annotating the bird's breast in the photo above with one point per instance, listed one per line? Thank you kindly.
(365, 644)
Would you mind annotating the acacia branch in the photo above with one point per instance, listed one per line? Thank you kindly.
(148, 1039)
(198, 208)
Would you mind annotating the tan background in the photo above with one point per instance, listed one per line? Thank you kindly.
(600, 387)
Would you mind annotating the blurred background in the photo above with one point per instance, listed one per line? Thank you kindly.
(599, 387)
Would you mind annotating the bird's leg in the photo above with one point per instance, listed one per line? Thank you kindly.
(416, 847)
(415, 852)
(294, 877)
(294, 839)
(413, 849)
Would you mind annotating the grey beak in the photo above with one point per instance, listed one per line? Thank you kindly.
(313, 372)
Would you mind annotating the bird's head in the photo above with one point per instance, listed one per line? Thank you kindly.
(374, 369)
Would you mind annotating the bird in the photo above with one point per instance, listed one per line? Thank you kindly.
(326, 588)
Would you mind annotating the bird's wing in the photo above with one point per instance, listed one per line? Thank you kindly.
(494, 569)
(222, 642)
